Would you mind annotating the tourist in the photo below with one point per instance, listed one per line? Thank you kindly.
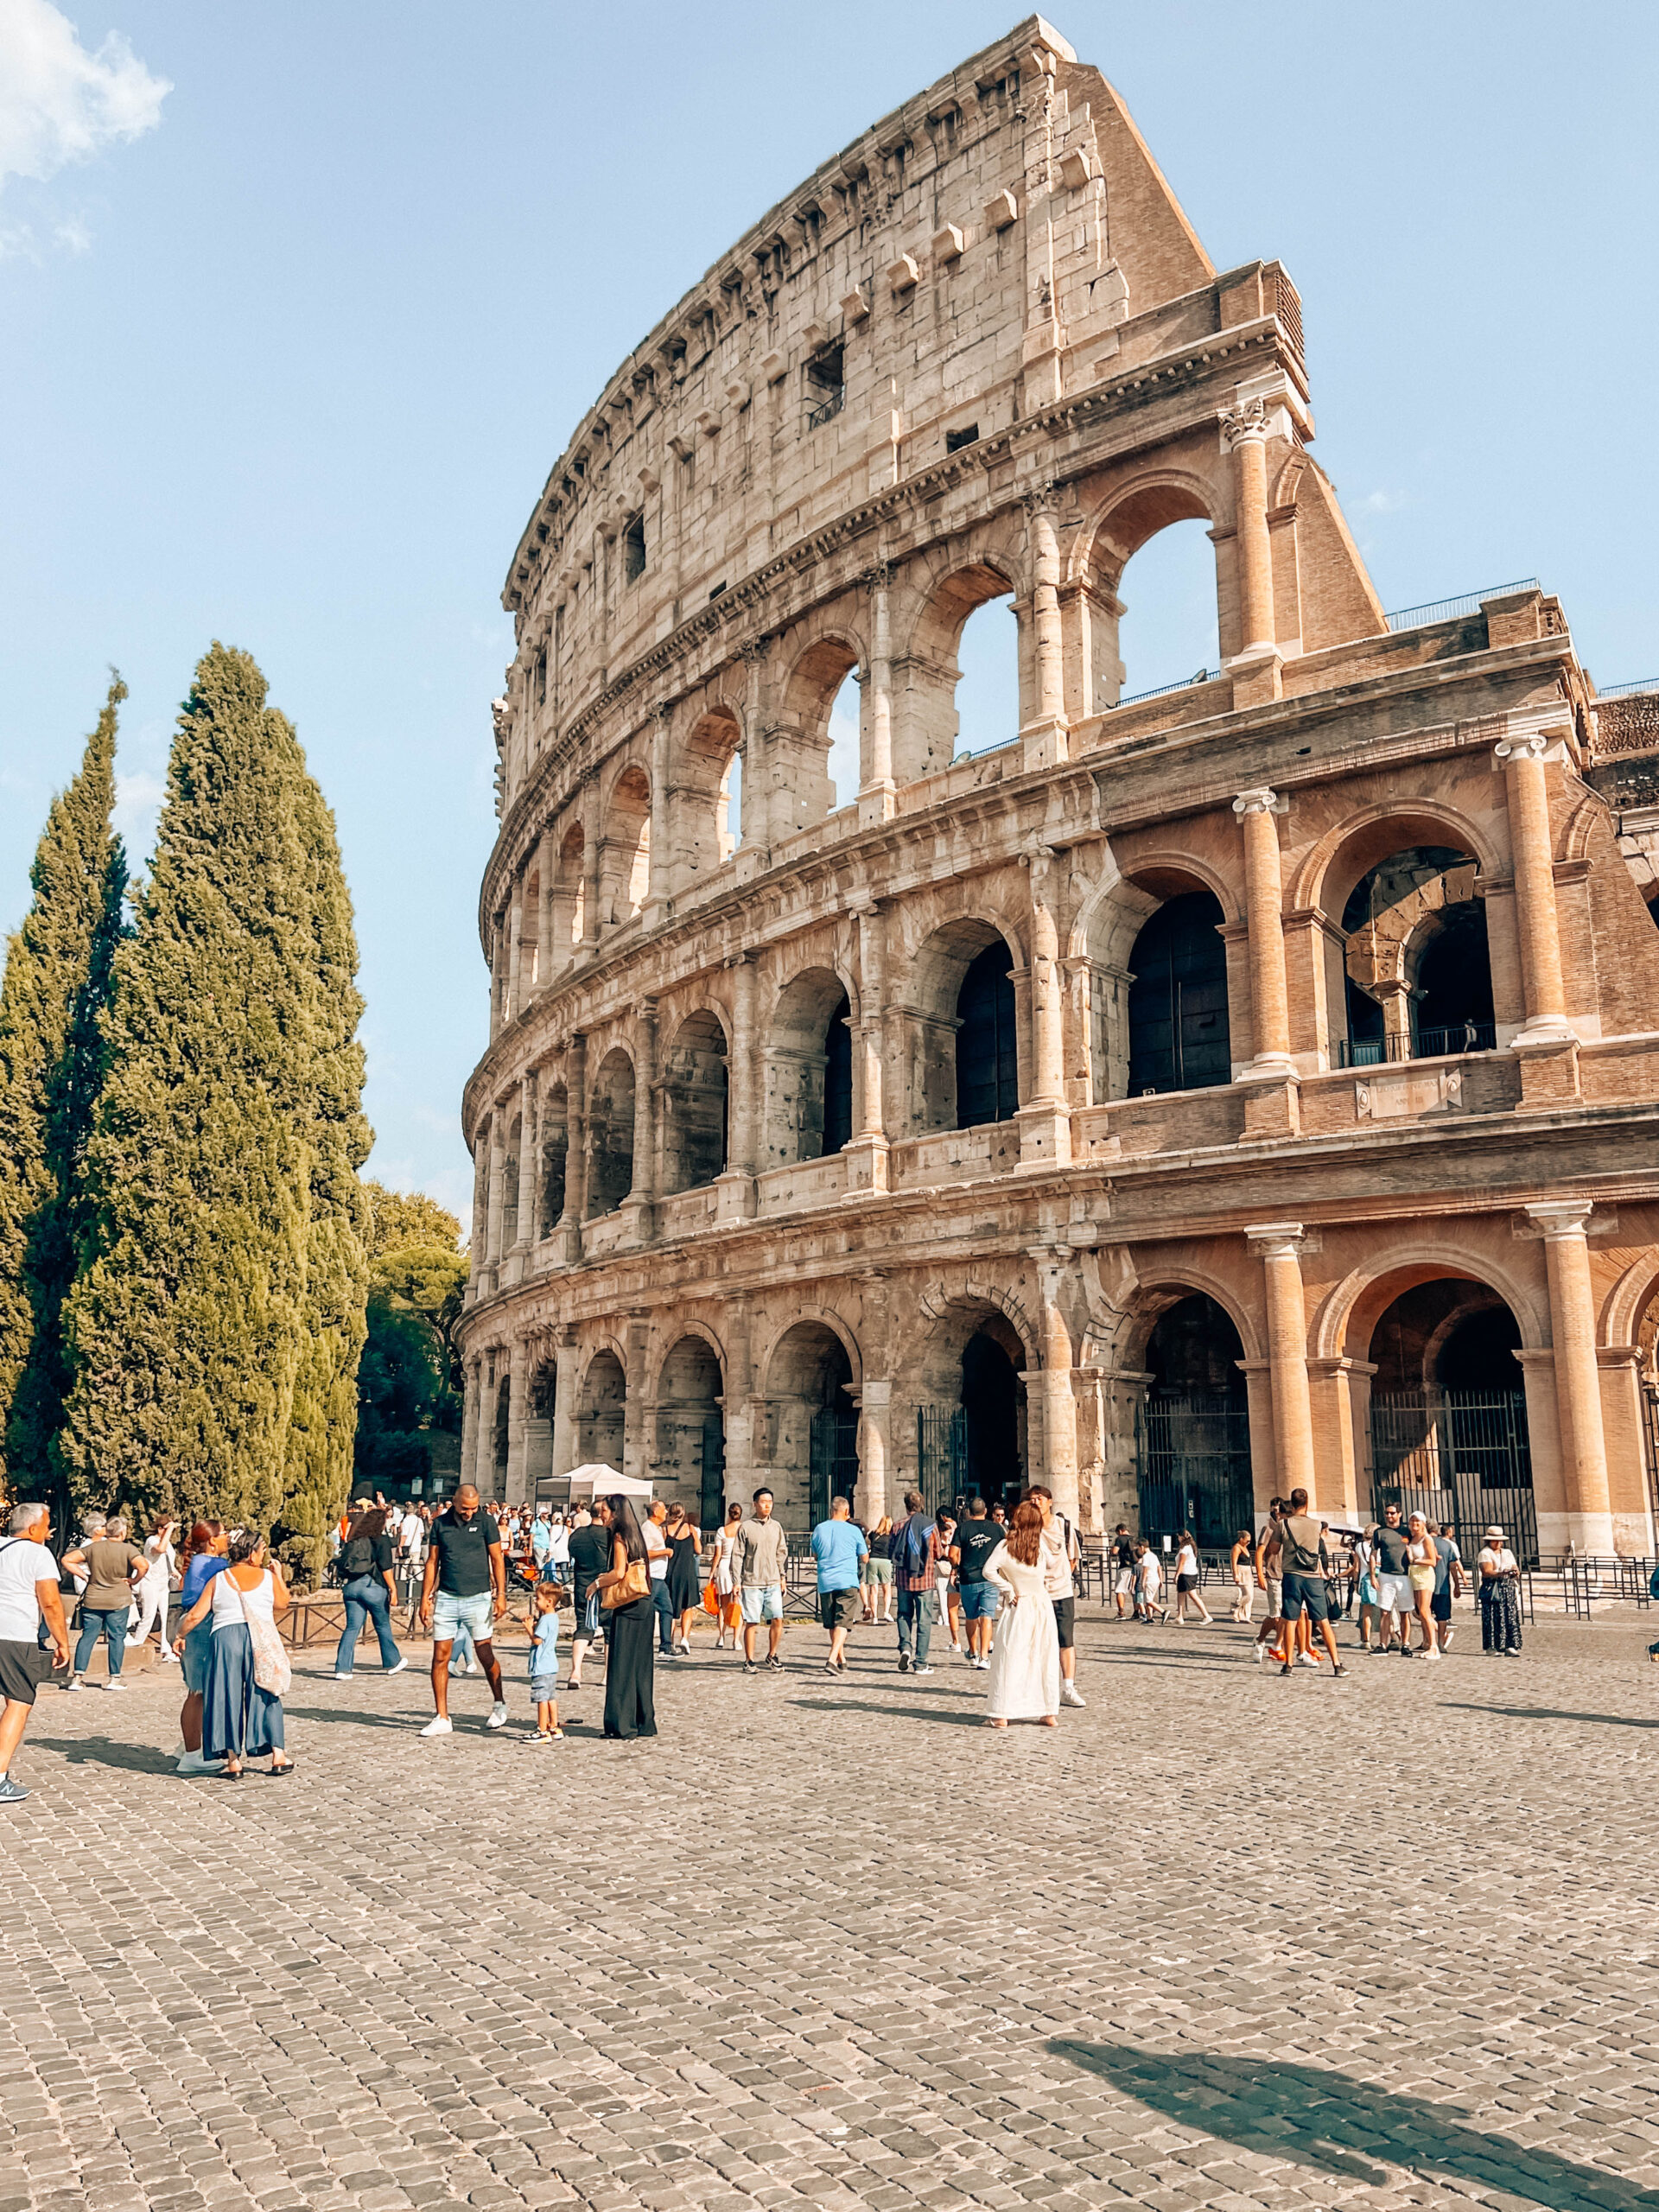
(465, 1586)
(1371, 1637)
(915, 1550)
(1421, 1557)
(590, 1555)
(1448, 1582)
(365, 1564)
(1266, 1559)
(1393, 1581)
(541, 1541)
(684, 1550)
(114, 1570)
(150, 1596)
(205, 1555)
(879, 1573)
(976, 1537)
(240, 1718)
(1122, 1556)
(1059, 1559)
(625, 1593)
(30, 1603)
(839, 1549)
(1025, 1667)
(558, 1552)
(946, 1605)
(1298, 1540)
(1188, 1579)
(723, 1578)
(412, 1548)
(657, 1554)
(542, 1622)
(1242, 1559)
(1149, 1583)
(1499, 1592)
(761, 1555)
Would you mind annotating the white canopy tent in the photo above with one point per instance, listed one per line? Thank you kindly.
(594, 1479)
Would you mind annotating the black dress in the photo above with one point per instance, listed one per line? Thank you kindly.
(683, 1591)
(629, 1669)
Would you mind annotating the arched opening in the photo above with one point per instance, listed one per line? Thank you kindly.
(943, 704)
(709, 803)
(530, 978)
(501, 1432)
(798, 747)
(846, 711)
(1418, 978)
(933, 1052)
(1193, 1431)
(610, 1134)
(695, 1103)
(625, 858)
(541, 1405)
(809, 1068)
(570, 897)
(690, 1463)
(1180, 1037)
(601, 1412)
(988, 1052)
(1448, 1414)
(556, 1144)
(1171, 637)
(971, 1428)
(510, 1183)
(814, 1424)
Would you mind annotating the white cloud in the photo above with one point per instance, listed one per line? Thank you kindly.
(138, 803)
(1384, 503)
(59, 104)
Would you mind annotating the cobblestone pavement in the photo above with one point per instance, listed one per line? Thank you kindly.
(1223, 1939)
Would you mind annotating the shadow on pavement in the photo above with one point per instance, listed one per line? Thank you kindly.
(104, 1750)
(1328, 2121)
(1548, 1712)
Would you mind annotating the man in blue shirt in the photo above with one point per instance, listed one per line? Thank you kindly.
(838, 1546)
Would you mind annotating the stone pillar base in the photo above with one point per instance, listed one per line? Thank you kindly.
(1272, 1108)
(1044, 1135)
(877, 803)
(1254, 674)
(639, 1215)
(513, 1266)
(1590, 1534)
(1549, 1073)
(734, 1196)
(867, 1164)
(1042, 744)
(566, 1241)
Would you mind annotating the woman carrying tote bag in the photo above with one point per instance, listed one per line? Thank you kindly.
(242, 1703)
(625, 1596)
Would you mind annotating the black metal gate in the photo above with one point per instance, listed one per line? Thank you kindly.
(1194, 1467)
(714, 1473)
(1462, 1458)
(941, 1455)
(832, 1460)
(1651, 1442)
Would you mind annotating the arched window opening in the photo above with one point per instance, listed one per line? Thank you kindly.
(1448, 1414)
(708, 801)
(1165, 617)
(1180, 1037)
(731, 807)
(845, 712)
(971, 1434)
(814, 1424)
(809, 1070)
(993, 1420)
(541, 1404)
(556, 1142)
(610, 1141)
(569, 896)
(1418, 975)
(695, 1097)
(955, 679)
(690, 1463)
(987, 683)
(624, 863)
(1193, 1439)
(988, 1063)
(509, 1183)
(531, 978)
(803, 780)
(601, 1412)
(503, 1430)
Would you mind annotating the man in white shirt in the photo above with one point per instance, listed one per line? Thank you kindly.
(29, 1595)
(656, 1559)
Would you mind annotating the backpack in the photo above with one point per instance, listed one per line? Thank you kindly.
(355, 1558)
(1298, 1558)
(908, 1546)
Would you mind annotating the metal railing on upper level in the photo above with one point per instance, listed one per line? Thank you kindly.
(1443, 610)
(1628, 690)
(1181, 683)
(826, 408)
(1428, 1044)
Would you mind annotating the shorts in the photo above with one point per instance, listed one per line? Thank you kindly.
(1184, 1584)
(881, 1571)
(1393, 1593)
(836, 1608)
(1275, 1598)
(18, 1671)
(1421, 1578)
(1123, 1583)
(1065, 1622)
(1439, 1605)
(762, 1602)
(1306, 1593)
(544, 1684)
(981, 1601)
(476, 1615)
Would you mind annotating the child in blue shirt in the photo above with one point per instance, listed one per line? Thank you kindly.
(543, 1622)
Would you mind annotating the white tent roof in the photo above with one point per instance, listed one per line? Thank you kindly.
(596, 1480)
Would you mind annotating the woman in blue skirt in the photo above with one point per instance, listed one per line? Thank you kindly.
(238, 1720)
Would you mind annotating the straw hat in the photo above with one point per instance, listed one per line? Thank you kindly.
(1496, 1531)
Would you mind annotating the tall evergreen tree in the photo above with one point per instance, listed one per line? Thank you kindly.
(52, 1058)
(187, 1324)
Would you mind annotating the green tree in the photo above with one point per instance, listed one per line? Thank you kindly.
(52, 1059)
(212, 1264)
(409, 1384)
(400, 1218)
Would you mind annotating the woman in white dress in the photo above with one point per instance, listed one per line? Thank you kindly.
(1025, 1670)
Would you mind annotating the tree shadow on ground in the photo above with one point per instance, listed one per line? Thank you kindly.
(1550, 1712)
(1336, 2124)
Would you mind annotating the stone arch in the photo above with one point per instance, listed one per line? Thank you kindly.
(513, 1152)
(601, 1407)
(570, 895)
(710, 754)
(925, 669)
(1288, 480)
(1131, 515)
(1327, 874)
(930, 1021)
(941, 1299)
(972, 1420)
(1175, 992)
(610, 1133)
(1581, 827)
(1160, 1291)
(689, 1397)
(625, 847)
(807, 1111)
(553, 1166)
(1342, 1322)
(811, 1371)
(694, 1093)
(1627, 1302)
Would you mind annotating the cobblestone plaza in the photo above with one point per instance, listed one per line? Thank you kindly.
(1223, 1941)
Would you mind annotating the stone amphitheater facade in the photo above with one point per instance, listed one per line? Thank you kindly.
(1190, 1097)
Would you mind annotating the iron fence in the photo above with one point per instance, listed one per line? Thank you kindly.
(1461, 1457)
(1194, 1456)
(1426, 1045)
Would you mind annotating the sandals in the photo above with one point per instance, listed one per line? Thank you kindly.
(286, 1769)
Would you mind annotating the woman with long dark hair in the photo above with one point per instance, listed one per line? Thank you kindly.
(202, 1558)
(630, 1708)
(365, 1578)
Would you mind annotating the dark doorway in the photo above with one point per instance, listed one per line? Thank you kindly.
(993, 1464)
(1453, 1007)
(987, 1060)
(837, 1079)
(1194, 1430)
(1178, 1034)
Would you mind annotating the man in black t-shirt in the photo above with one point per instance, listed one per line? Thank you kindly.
(1390, 1569)
(1122, 1553)
(465, 1583)
(976, 1537)
(590, 1557)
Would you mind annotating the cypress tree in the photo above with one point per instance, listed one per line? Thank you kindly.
(52, 1058)
(187, 1323)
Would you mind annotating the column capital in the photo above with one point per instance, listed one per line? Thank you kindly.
(1261, 799)
(1275, 1240)
(1250, 421)
(1525, 745)
(1557, 1219)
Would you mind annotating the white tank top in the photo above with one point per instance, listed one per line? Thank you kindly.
(234, 1608)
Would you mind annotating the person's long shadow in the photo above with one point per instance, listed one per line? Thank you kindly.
(343, 1714)
(1328, 2121)
(1548, 1712)
(104, 1750)
(910, 1712)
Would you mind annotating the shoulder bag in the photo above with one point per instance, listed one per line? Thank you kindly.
(635, 1583)
(270, 1667)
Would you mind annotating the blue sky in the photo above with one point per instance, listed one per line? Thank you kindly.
(298, 305)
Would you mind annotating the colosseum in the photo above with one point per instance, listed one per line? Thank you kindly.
(1185, 1098)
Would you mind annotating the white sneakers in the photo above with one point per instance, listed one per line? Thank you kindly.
(195, 1763)
(498, 1715)
(398, 1668)
(1070, 1693)
(439, 1725)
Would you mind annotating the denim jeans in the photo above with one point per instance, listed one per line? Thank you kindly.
(93, 1626)
(918, 1610)
(665, 1613)
(367, 1599)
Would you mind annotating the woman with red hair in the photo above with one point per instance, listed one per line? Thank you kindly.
(1025, 1670)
